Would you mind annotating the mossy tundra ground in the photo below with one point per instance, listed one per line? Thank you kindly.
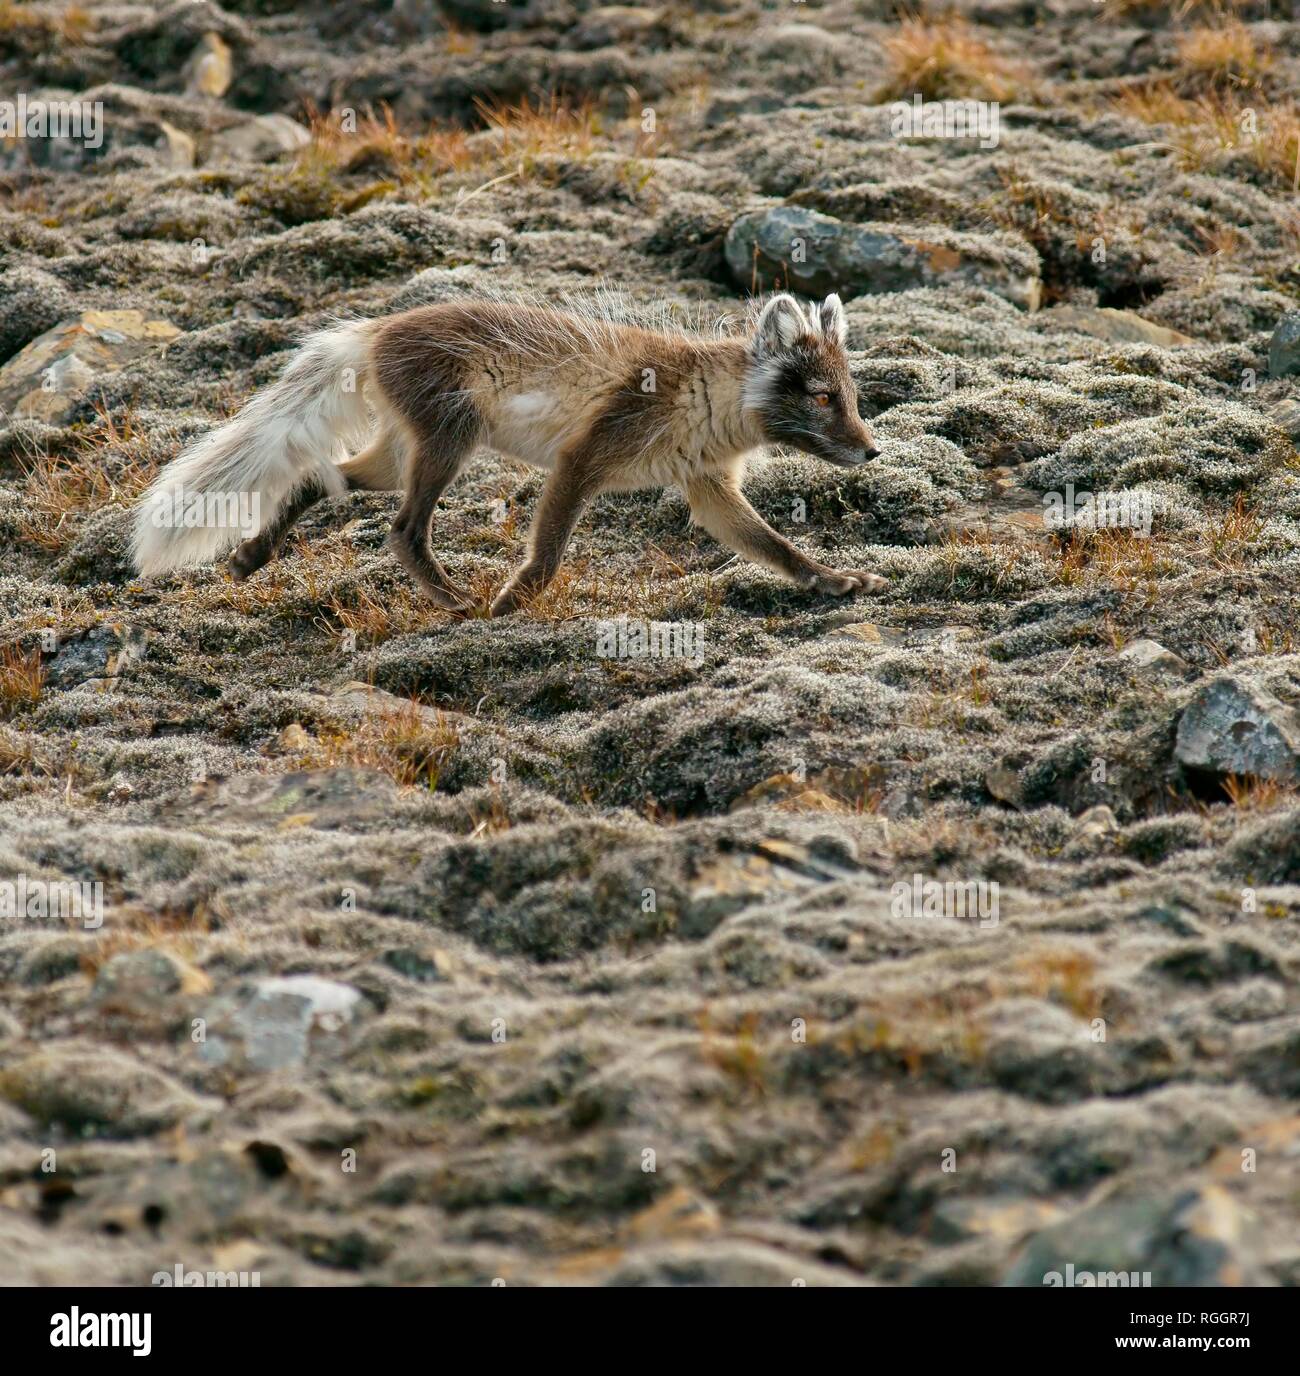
(437, 950)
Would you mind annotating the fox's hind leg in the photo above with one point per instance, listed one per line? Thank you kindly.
(437, 455)
(377, 468)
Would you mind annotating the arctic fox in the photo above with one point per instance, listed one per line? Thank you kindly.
(600, 405)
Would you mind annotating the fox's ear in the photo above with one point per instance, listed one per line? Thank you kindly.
(834, 326)
(780, 326)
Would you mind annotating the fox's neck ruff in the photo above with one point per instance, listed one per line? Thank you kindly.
(718, 402)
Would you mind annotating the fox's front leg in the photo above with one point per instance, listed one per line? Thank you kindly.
(718, 504)
(566, 492)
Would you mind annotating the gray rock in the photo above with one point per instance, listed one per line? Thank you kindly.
(137, 978)
(1150, 656)
(260, 139)
(1004, 785)
(1284, 346)
(278, 1022)
(48, 377)
(1232, 728)
(1286, 412)
(815, 254)
(102, 653)
(1185, 1237)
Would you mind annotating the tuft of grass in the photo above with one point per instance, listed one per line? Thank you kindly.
(1119, 558)
(1274, 641)
(1219, 241)
(374, 619)
(1230, 540)
(58, 491)
(173, 929)
(491, 821)
(979, 691)
(736, 1054)
(526, 132)
(22, 679)
(70, 25)
(401, 742)
(375, 145)
(1222, 55)
(1219, 124)
(1249, 793)
(945, 59)
(514, 141)
(457, 42)
(18, 756)
(1064, 977)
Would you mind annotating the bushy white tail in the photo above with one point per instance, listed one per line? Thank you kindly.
(293, 432)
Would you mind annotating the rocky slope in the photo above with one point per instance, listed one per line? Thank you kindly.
(439, 950)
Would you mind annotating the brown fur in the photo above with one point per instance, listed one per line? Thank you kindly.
(601, 406)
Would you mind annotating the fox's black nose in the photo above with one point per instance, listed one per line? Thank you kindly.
(869, 453)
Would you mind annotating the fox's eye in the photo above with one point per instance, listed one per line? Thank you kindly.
(822, 398)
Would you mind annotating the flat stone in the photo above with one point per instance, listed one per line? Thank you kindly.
(1119, 327)
(45, 380)
(1150, 656)
(873, 634)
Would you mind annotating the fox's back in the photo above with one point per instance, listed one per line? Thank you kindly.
(537, 378)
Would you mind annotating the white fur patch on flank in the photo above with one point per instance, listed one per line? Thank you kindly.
(530, 406)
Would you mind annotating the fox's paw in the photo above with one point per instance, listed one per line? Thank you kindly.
(246, 559)
(842, 582)
(506, 601)
(448, 596)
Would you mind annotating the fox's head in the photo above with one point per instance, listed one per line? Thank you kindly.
(799, 382)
